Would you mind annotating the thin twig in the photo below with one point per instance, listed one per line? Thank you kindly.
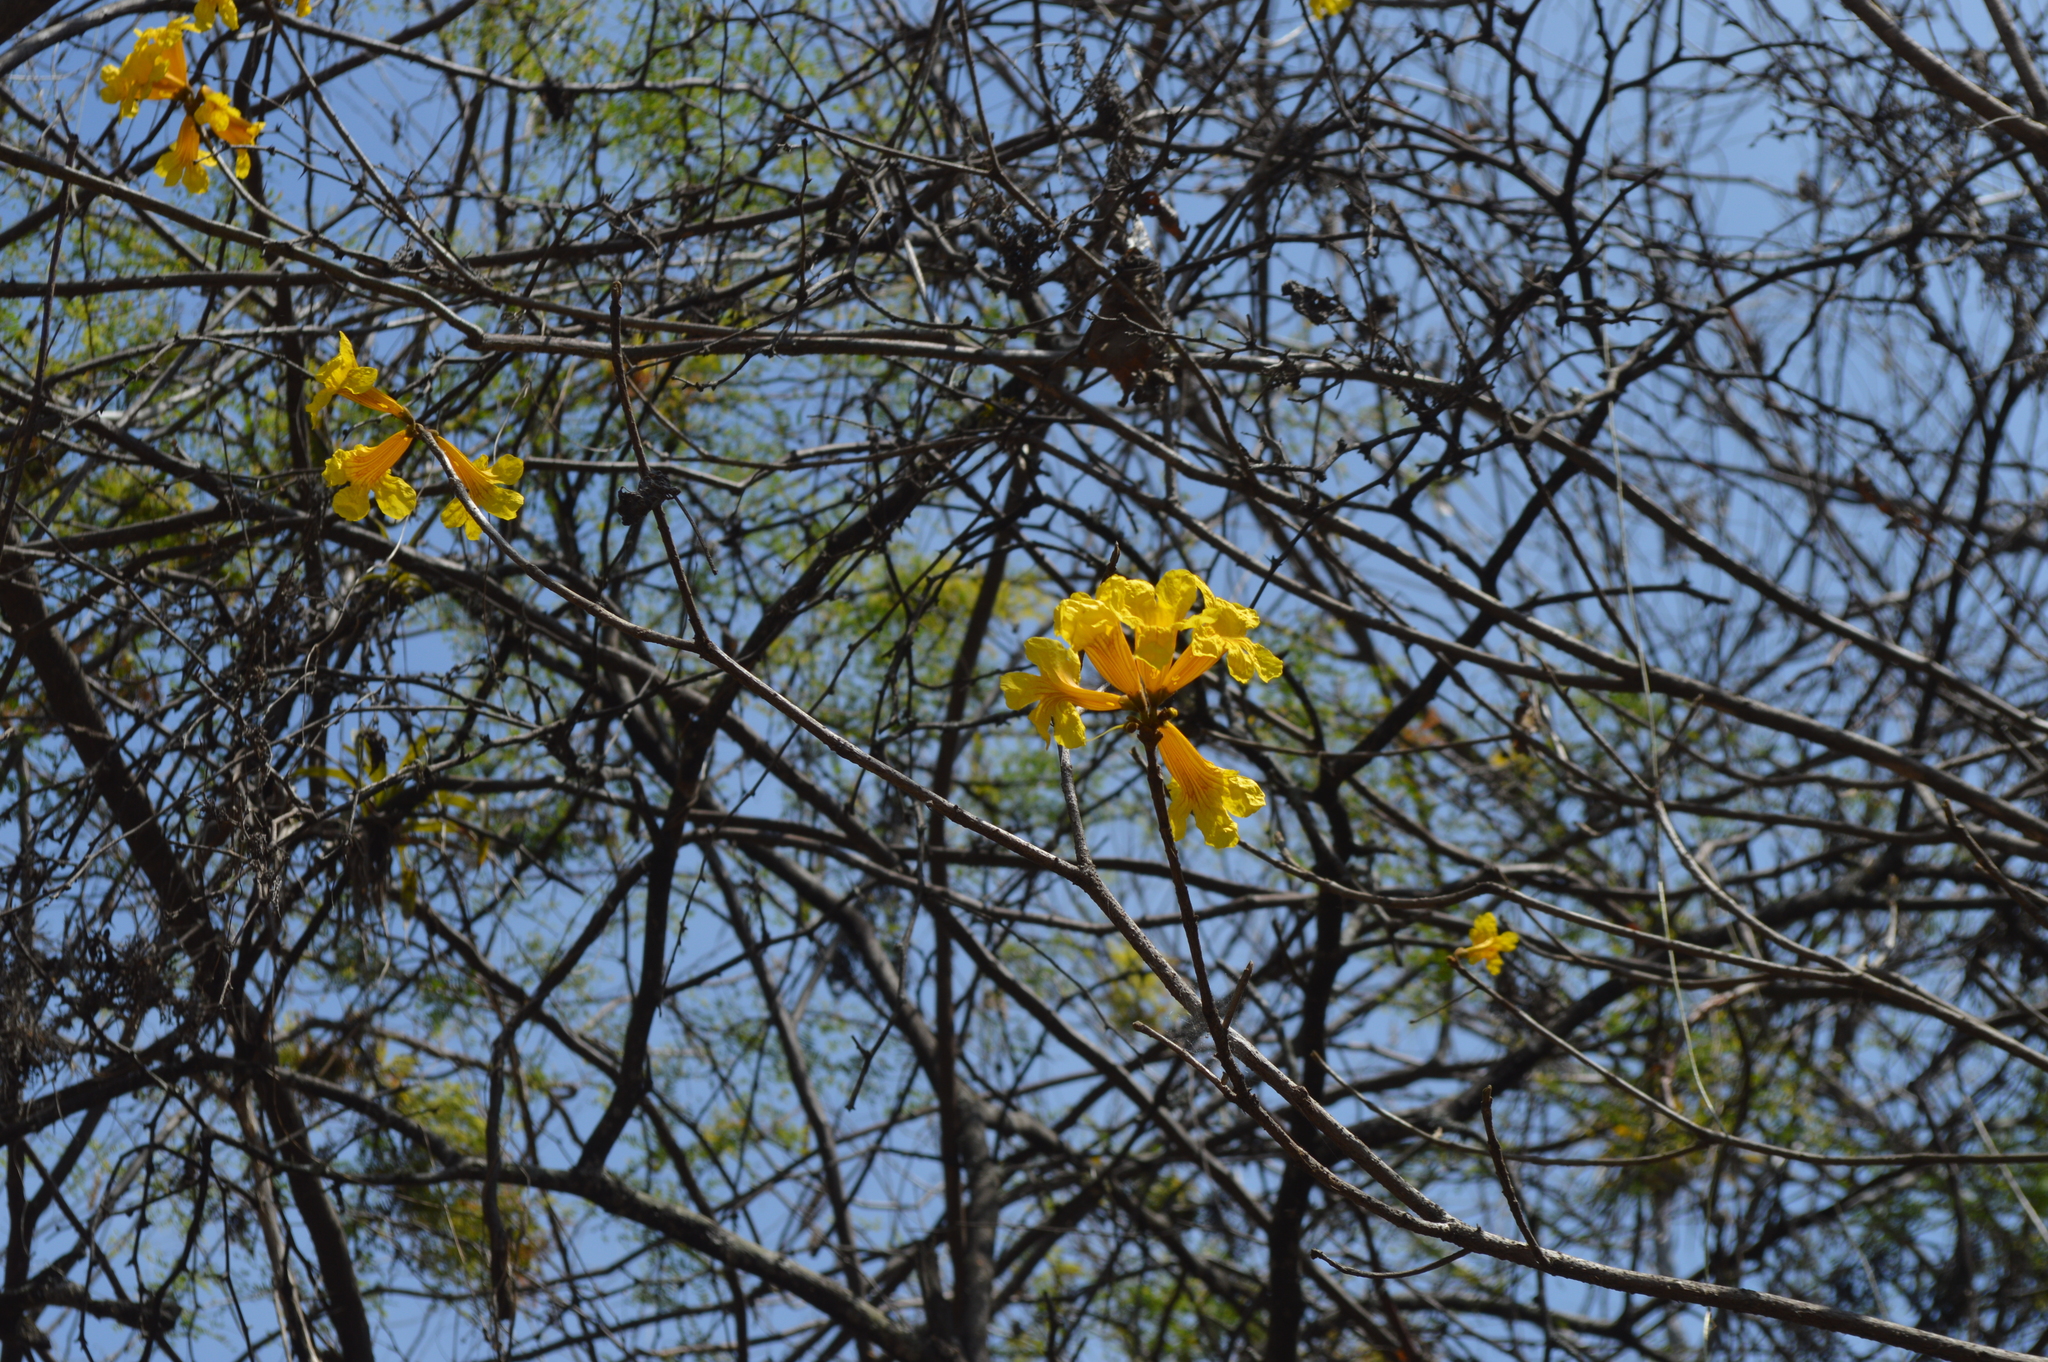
(1372, 1276)
(1506, 1177)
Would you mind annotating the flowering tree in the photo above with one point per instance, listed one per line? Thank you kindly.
(1187, 679)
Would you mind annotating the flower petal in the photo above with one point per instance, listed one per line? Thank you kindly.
(352, 503)
(396, 497)
(1081, 619)
(456, 517)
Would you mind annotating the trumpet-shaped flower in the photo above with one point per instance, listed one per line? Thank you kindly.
(343, 377)
(186, 162)
(364, 472)
(227, 123)
(1489, 943)
(155, 69)
(1095, 629)
(1224, 626)
(1056, 696)
(489, 486)
(206, 11)
(1215, 796)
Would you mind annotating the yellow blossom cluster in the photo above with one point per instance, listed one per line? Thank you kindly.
(156, 69)
(363, 474)
(1143, 669)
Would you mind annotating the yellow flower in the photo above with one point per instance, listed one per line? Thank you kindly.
(1222, 627)
(1324, 9)
(489, 486)
(227, 123)
(1141, 672)
(225, 119)
(186, 162)
(343, 377)
(305, 8)
(204, 12)
(1489, 943)
(1092, 627)
(1157, 615)
(364, 471)
(155, 69)
(1056, 695)
(1208, 791)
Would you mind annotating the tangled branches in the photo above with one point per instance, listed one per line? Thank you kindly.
(1547, 494)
